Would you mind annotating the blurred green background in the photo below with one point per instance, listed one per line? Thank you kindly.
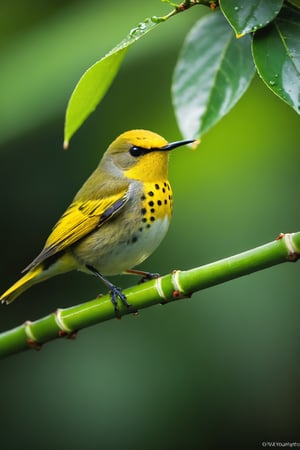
(218, 371)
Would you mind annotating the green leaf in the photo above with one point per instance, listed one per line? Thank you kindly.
(276, 52)
(95, 82)
(213, 71)
(245, 17)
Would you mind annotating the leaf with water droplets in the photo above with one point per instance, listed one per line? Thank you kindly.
(246, 17)
(213, 71)
(276, 52)
(95, 82)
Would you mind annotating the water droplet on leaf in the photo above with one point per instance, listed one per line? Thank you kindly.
(156, 19)
(139, 30)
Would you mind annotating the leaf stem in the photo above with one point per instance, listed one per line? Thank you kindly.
(187, 4)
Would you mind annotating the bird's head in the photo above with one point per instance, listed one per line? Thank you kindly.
(141, 155)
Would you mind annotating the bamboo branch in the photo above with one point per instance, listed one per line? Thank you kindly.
(177, 285)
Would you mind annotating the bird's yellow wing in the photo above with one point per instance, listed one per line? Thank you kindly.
(80, 219)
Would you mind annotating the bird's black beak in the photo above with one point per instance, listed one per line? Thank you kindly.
(176, 144)
(139, 151)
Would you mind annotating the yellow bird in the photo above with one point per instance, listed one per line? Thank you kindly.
(116, 220)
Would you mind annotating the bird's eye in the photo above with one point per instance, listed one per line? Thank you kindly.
(136, 151)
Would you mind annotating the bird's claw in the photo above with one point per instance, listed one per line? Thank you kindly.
(116, 293)
(149, 276)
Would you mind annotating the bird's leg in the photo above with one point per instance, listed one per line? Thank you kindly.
(146, 276)
(114, 291)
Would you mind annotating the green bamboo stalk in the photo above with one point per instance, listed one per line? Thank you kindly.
(177, 285)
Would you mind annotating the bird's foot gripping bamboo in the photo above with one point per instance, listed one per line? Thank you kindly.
(114, 291)
(146, 276)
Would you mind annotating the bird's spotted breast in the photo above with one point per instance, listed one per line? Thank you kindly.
(156, 203)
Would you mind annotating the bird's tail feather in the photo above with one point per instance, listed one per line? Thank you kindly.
(21, 285)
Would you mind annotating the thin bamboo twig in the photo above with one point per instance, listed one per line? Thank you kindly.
(177, 285)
